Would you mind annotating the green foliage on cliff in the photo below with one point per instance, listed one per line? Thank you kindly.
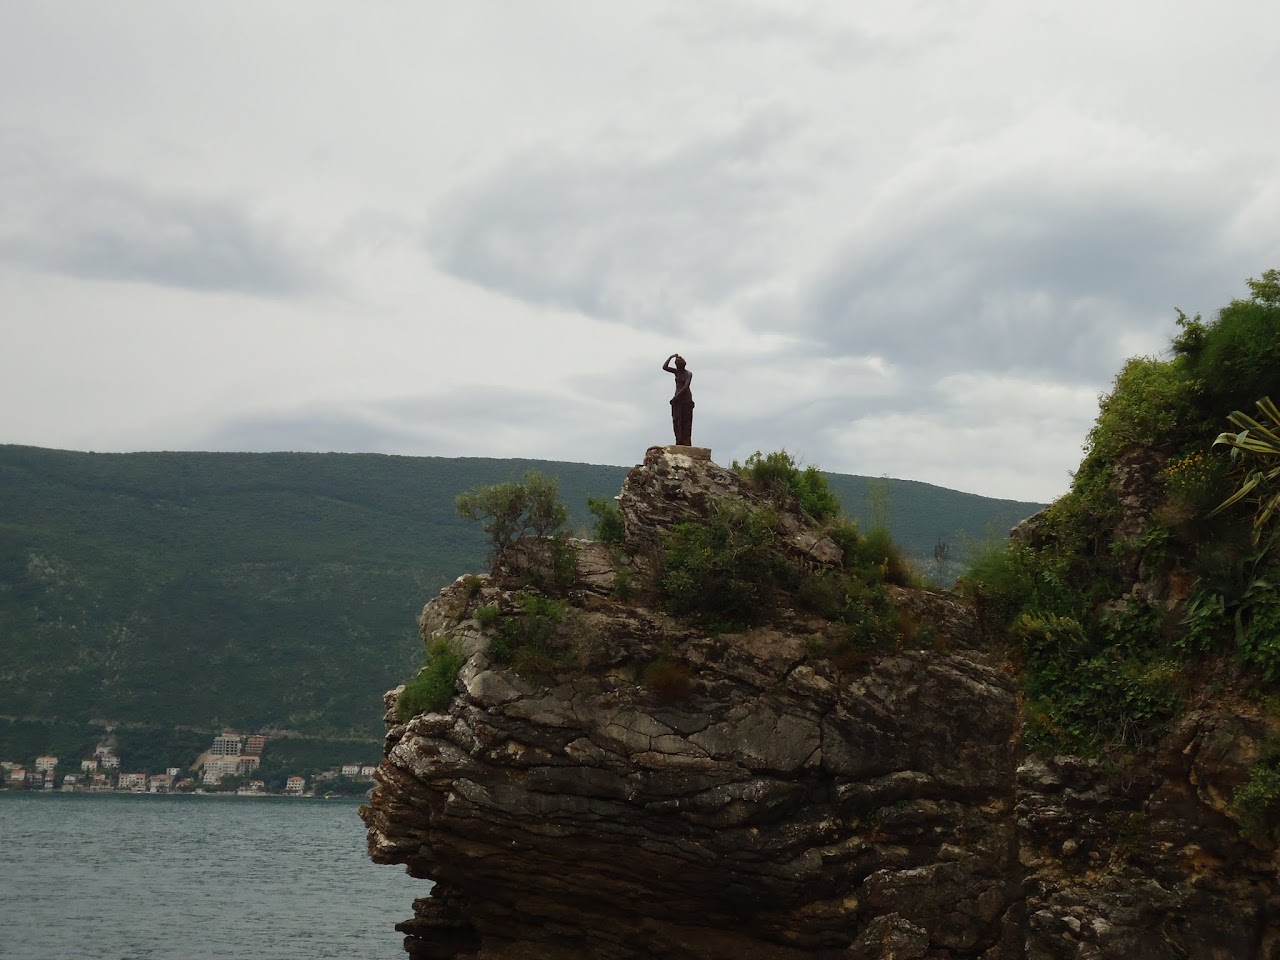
(431, 689)
(608, 527)
(525, 638)
(1257, 801)
(777, 475)
(736, 569)
(1103, 661)
(729, 571)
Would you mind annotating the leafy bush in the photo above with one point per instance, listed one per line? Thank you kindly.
(511, 510)
(1238, 353)
(551, 565)
(608, 528)
(1150, 404)
(1001, 584)
(433, 687)
(1257, 802)
(844, 534)
(1083, 698)
(1257, 625)
(877, 553)
(1243, 612)
(777, 475)
(624, 587)
(727, 570)
(488, 615)
(524, 639)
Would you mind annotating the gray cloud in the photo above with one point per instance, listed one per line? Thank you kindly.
(1026, 272)
(638, 239)
(59, 218)
(833, 43)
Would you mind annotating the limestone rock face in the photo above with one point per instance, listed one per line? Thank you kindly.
(664, 792)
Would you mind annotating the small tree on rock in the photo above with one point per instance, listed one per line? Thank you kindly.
(511, 510)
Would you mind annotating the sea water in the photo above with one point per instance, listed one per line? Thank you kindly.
(127, 877)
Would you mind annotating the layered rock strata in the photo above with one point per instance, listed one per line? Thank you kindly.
(665, 792)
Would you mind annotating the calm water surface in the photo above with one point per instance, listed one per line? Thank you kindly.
(108, 877)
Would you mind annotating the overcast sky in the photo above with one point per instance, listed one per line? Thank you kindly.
(903, 239)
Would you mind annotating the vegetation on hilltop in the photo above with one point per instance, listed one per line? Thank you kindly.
(734, 568)
(1133, 591)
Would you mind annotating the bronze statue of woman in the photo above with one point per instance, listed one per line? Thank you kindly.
(682, 402)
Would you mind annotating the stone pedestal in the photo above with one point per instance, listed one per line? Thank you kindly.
(693, 453)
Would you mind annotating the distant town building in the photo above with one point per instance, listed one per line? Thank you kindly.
(295, 785)
(70, 781)
(110, 761)
(247, 764)
(255, 745)
(368, 770)
(159, 783)
(351, 770)
(46, 764)
(132, 781)
(89, 766)
(17, 775)
(172, 772)
(219, 767)
(227, 744)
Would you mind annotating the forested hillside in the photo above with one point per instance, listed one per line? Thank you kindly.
(276, 590)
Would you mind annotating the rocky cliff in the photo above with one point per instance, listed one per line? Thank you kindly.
(649, 788)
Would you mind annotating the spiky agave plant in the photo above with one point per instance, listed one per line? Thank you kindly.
(1259, 438)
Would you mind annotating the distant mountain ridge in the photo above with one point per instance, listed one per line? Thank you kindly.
(279, 589)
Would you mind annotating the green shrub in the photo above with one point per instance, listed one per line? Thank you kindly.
(511, 510)
(524, 639)
(1239, 352)
(777, 475)
(624, 587)
(1257, 802)
(608, 527)
(1135, 626)
(1247, 612)
(877, 554)
(1150, 404)
(488, 615)
(552, 565)
(1257, 625)
(1084, 698)
(844, 533)
(434, 686)
(728, 570)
